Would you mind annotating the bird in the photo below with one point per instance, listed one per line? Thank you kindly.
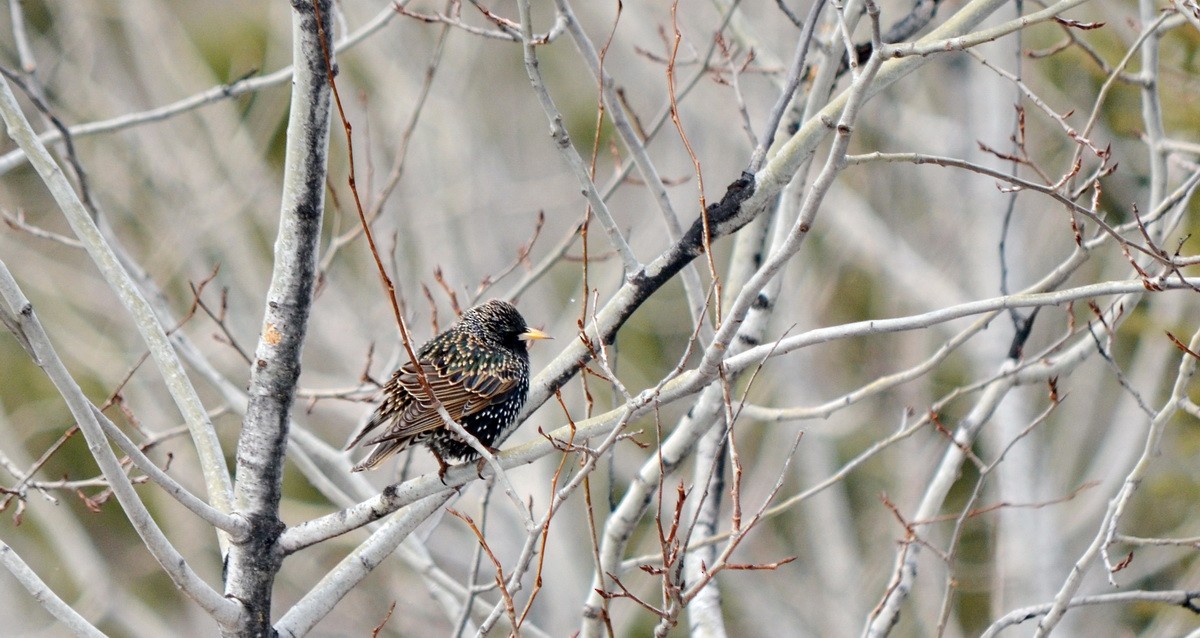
(478, 369)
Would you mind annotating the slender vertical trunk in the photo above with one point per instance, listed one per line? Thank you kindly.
(252, 565)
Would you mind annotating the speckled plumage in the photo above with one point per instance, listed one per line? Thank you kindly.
(478, 369)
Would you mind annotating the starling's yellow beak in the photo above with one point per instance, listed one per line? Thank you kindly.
(533, 334)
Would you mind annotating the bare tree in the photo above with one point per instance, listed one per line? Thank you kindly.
(871, 318)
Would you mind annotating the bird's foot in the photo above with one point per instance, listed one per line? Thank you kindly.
(479, 465)
(442, 466)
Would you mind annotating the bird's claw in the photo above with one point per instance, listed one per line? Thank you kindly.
(442, 466)
(479, 465)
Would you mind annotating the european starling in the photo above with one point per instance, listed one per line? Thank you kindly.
(478, 369)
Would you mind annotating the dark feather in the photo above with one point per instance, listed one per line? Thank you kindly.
(481, 362)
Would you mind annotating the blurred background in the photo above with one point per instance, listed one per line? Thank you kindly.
(450, 117)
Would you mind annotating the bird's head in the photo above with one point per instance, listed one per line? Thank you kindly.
(499, 322)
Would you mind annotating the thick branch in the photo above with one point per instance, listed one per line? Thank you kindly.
(208, 447)
(19, 315)
(38, 588)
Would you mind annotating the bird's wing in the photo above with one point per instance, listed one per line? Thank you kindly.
(390, 410)
(460, 392)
